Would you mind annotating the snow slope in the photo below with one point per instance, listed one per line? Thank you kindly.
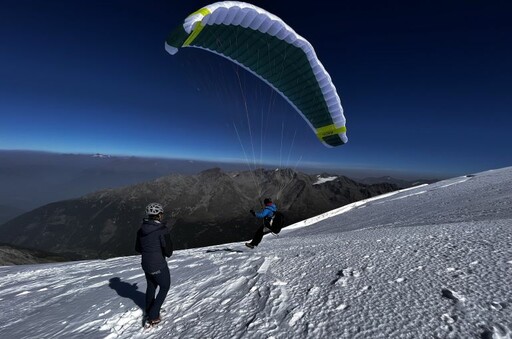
(429, 262)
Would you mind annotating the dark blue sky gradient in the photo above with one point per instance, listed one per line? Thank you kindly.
(426, 86)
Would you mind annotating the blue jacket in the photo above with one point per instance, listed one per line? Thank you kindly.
(267, 212)
(154, 243)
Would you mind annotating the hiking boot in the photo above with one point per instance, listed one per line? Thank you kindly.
(154, 321)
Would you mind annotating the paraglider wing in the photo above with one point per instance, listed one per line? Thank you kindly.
(267, 47)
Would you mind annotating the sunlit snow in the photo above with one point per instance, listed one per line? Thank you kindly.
(429, 262)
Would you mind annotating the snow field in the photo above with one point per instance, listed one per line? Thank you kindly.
(434, 261)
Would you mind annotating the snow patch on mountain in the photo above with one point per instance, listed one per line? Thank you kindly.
(99, 155)
(323, 180)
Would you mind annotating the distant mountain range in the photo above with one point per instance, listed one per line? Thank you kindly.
(203, 209)
(399, 182)
(32, 179)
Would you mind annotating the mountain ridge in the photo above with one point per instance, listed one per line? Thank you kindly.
(31, 179)
(204, 209)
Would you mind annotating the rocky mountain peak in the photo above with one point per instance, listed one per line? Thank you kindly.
(208, 208)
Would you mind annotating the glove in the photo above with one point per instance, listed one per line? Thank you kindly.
(252, 212)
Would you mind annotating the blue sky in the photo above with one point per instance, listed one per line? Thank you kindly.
(425, 86)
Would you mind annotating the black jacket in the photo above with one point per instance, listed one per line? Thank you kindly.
(154, 243)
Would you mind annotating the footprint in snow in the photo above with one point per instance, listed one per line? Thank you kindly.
(498, 306)
(344, 275)
(340, 279)
(363, 290)
(496, 331)
(452, 295)
(449, 319)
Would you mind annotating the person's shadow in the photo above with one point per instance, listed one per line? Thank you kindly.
(127, 290)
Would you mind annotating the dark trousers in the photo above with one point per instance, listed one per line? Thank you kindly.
(161, 279)
(256, 239)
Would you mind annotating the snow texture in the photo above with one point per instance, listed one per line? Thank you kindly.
(429, 262)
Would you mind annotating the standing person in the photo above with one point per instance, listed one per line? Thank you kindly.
(266, 214)
(154, 243)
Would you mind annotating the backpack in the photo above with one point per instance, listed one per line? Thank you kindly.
(277, 222)
(168, 249)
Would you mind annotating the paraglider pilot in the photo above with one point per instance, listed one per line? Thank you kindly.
(266, 214)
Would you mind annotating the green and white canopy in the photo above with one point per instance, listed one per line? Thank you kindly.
(270, 49)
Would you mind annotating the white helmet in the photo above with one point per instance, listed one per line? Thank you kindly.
(154, 209)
